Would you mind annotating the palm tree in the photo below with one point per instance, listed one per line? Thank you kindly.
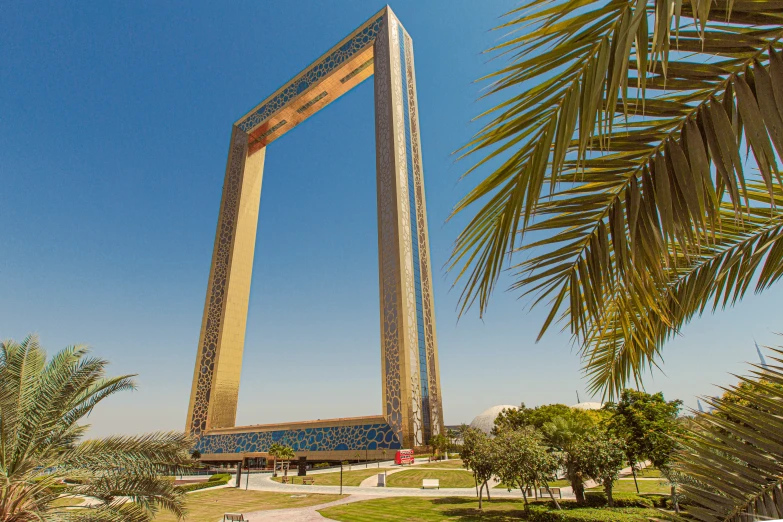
(41, 456)
(286, 454)
(274, 452)
(567, 435)
(633, 156)
(731, 467)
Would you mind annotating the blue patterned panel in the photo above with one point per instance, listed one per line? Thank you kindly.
(328, 438)
(345, 52)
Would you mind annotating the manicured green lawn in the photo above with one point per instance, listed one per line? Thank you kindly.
(350, 478)
(209, 506)
(645, 486)
(448, 478)
(649, 473)
(448, 464)
(463, 509)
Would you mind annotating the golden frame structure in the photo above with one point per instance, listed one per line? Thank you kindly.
(412, 408)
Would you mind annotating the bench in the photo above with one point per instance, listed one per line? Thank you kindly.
(555, 491)
(430, 484)
(286, 480)
(234, 517)
(308, 480)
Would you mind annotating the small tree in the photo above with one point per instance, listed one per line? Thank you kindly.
(566, 434)
(480, 456)
(647, 424)
(523, 461)
(286, 454)
(274, 452)
(601, 456)
(439, 443)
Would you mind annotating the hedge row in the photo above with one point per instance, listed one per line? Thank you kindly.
(203, 485)
(621, 500)
(540, 514)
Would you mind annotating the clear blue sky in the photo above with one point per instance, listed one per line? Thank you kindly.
(114, 128)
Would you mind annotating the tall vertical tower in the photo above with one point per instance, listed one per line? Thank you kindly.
(412, 410)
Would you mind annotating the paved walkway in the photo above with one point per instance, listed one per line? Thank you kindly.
(365, 491)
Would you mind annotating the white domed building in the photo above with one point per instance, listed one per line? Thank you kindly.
(485, 421)
(588, 406)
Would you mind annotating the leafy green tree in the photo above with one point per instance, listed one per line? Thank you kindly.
(618, 140)
(601, 456)
(524, 462)
(536, 417)
(41, 406)
(480, 456)
(451, 436)
(567, 435)
(648, 425)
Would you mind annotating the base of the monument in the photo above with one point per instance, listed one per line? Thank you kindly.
(320, 440)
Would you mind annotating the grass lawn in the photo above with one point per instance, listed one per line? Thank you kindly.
(209, 506)
(350, 478)
(645, 486)
(649, 473)
(450, 508)
(447, 464)
(448, 479)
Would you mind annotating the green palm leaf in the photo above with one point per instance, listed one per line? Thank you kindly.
(733, 455)
(623, 141)
(41, 404)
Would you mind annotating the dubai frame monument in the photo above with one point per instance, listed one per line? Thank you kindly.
(412, 410)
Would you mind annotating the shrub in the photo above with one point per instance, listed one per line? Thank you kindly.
(208, 484)
(658, 500)
(321, 465)
(540, 514)
(220, 476)
(621, 500)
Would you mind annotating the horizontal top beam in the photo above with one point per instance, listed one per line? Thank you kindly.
(336, 72)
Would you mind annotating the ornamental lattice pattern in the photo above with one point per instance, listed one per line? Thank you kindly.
(407, 354)
(403, 207)
(312, 76)
(424, 255)
(329, 438)
(215, 307)
(387, 231)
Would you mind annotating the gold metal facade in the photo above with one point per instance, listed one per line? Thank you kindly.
(412, 410)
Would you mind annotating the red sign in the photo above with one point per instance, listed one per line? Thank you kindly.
(404, 457)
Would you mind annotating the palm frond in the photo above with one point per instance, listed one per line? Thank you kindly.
(735, 453)
(621, 142)
(40, 406)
